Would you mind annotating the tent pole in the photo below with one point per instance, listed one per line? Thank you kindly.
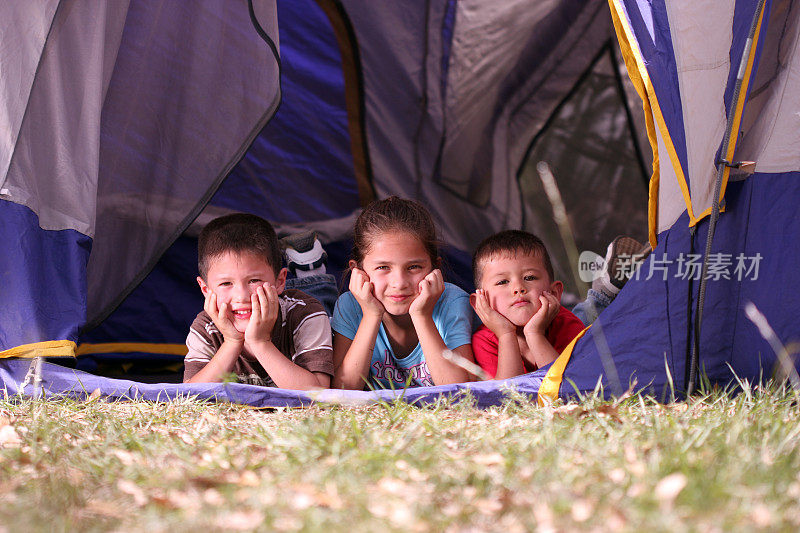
(722, 165)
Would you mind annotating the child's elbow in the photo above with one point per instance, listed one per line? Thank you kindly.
(323, 380)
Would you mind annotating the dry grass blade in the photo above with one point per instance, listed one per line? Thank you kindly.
(766, 331)
(567, 236)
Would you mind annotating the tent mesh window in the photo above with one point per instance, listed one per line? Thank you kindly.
(590, 134)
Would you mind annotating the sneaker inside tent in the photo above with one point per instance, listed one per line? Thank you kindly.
(623, 256)
(304, 254)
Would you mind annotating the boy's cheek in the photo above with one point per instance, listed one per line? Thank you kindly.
(223, 300)
(495, 304)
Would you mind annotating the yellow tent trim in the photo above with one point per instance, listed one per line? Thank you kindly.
(739, 109)
(128, 347)
(551, 383)
(637, 72)
(41, 349)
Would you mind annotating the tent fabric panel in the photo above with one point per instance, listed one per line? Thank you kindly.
(773, 212)
(672, 196)
(54, 166)
(635, 330)
(502, 91)
(163, 148)
(664, 206)
(780, 152)
(489, 43)
(448, 30)
(770, 125)
(743, 14)
(161, 308)
(401, 54)
(701, 39)
(24, 27)
(721, 307)
(300, 167)
(747, 66)
(748, 264)
(60, 381)
(406, 119)
(649, 324)
(391, 38)
(43, 297)
(650, 24)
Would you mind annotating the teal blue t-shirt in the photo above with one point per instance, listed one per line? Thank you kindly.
(452, 316)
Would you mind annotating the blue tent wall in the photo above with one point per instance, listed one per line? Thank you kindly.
(646, 326)
(300, 167)
(47, 298)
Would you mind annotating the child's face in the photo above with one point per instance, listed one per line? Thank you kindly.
(396, 263)
(514, 282)
(234, 277)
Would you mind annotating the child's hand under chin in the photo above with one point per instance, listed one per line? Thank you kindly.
(364, 293)
(264, 309)
(549, 306)
(497, 323)
(428, 293)
(222, 316)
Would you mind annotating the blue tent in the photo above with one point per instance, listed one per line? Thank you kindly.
(128, 127)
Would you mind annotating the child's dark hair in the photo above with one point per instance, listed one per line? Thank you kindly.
(238, 233)
(509, 242)
(394, 214)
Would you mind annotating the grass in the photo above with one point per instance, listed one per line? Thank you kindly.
(718, 463)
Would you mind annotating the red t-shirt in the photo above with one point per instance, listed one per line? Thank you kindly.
(564, 327)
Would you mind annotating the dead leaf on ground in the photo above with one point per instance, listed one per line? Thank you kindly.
(125, 457)
(330, 497)
(669, 487)
(241, 520)
(130, 488)
(9, 438)
(488, 459)
(184, 500)
(617, 475)
(213, 497)
(761, 515)
(582, 510)
(207, 481)
(160, 498)
(488, 506)
(102, 508)
(611, 411)
(248, 479)
(391, 485)
(544, 517)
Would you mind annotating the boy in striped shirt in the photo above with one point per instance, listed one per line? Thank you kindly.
(250, 325)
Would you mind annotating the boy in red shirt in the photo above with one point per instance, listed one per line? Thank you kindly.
(524, 325)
